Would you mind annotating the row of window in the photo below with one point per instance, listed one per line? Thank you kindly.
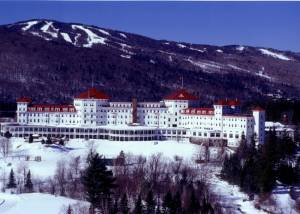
(217, 135)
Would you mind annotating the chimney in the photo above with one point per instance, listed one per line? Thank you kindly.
(134, 110)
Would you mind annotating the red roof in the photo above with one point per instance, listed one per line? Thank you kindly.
(181, 94)
(258, 108)
(228, 102)
(51, 108)
(198, 111)
(93, 93)
(24, 100)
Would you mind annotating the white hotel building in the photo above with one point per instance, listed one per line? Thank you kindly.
(176, 117)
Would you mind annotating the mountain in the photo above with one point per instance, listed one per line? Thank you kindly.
(51, 61)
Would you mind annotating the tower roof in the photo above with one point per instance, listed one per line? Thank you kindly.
(181, 94)
(228, 102)
(93, 93)
(24, 100)
(258, 108)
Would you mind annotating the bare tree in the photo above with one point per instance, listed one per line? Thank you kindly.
(73, 177)
(5, 146)
(60, 176)
(156, 169)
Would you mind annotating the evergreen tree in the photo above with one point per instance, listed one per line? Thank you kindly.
(287, 174)
(98, 183)
(7, 134)
(287, 147)
(28, 184)
(69, 210)
(124, 204)
(168, 202)
(115, 208)
(269, 156)
(194, 205)
(138, 209)
(177, 203)
(61, 142)
(12, 180)
(150, 209)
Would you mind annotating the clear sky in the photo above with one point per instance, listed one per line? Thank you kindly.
(268, 24)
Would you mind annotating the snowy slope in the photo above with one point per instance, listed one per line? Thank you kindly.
(64, 53)
(229, 196)
(33, 203)
(109, 149)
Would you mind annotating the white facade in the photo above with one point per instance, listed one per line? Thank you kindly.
(177, 111)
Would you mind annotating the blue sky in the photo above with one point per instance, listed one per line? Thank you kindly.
(268, 24)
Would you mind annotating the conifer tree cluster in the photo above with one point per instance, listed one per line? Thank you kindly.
(11, 180)
(256, 169)
(98, 182)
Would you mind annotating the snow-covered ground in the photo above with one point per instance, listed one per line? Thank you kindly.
(33, 203)
(235, 201)
(228, 195)
(50, 155)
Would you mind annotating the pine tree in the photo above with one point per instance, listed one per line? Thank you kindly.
(7, 134)
(177, 203)
(115, 208)
(168, 202)
(138, 205)
(150, 203)
(194, 205)
(61, 142)
(98, 182)
(12, 180)
(28, 184)
(69, 210)
(124, 204)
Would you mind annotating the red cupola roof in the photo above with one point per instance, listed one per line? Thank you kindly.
(181, 94)
(258, 108)
(228, 102)
(24, 100)
(93, 93)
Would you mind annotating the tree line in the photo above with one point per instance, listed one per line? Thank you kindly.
(257, 168)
